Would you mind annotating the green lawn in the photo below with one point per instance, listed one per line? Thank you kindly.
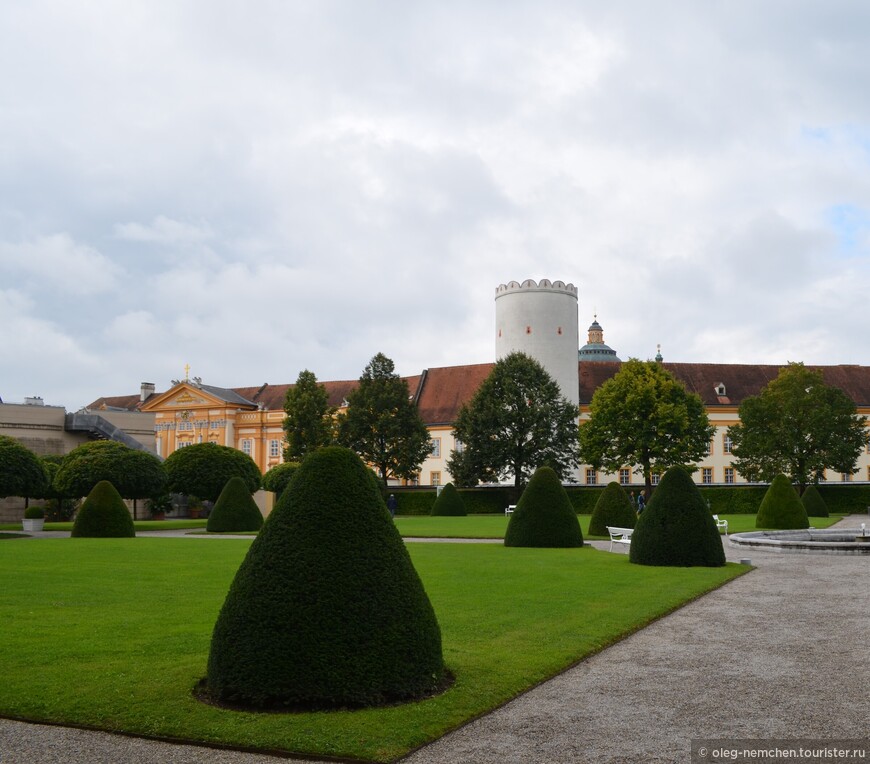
(494, 526)
(114, 633)
(141, 525)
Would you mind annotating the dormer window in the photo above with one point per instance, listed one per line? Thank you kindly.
(720, 389)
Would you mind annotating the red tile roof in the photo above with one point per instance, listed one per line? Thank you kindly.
(440, 392)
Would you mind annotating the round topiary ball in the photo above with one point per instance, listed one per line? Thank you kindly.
(103, 514)
(449, 503)
(235, 510)
(277, 478)
(613, 508)
(676, 528)
(326, 609)
(544, 516)
(781, 509)
(813, 502)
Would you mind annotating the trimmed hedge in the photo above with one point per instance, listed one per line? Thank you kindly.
(544, 516)
(846, 499)
(781, 507)
(613, 508)
(413, 502)
(676, 527)
(326, 610)
(449, 503)
(813, 502)
(103, 514)
(235, 510)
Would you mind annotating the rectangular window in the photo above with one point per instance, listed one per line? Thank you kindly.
(625, 476)
(710, 448)
(458, 446)
(729, 475)
(247, 446)
(726, 444)
(435, 478)
(591, 476)
(436, 448)
(274, 448)
(847, 477)
(655, 478)
(413, 481)
(706, 475)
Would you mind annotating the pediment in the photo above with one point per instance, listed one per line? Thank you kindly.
(183, 396)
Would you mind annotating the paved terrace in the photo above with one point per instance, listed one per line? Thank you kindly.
(783, 652)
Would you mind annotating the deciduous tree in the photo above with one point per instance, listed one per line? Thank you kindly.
(21, 472)
(135, 474)
(203, 469)
(517, 421)
(798, 426)
(644, 418)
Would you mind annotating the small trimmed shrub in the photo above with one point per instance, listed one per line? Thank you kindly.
(449, 503)
(781, 507)
(613, 508)
(34, 513)
(544, 516)
(103, 514)
(676, 528)
(235, 510)
(277, 478)
(326, 610)
(813, 502)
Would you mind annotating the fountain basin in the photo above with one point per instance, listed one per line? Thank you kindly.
(811, 540)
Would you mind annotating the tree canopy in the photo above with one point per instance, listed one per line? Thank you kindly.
(203, 469)
(21, 472)
(643, 417)
(133, 473)
(517, 421)
(310, 420)
(798, 426)
(382, 424)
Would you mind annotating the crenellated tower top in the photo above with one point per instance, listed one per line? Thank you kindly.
(530, 285)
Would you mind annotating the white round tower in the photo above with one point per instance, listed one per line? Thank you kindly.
(540, 320)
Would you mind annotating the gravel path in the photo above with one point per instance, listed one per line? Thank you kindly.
(779, 653)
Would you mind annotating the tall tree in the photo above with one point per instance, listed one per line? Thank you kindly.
(643, 417)
(309, 423)
(382, 423)
(798, 426)
(517, 421)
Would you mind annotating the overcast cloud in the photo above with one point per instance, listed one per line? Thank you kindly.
(260, 188)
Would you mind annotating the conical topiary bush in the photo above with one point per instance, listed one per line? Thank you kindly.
(813, 502)
(235, 510)
(103, 514)
(781, 508)
(326, 609)
(613, 508)
(544, 516)
(449, 503)
(676, 528)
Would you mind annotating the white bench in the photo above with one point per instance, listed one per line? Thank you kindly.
(619, 536)
(720, 523)
(509, 509)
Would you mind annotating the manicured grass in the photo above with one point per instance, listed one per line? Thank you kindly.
(494, 526)
(114, 633)
(140, 525)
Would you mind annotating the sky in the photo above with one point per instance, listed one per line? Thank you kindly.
(259, 188)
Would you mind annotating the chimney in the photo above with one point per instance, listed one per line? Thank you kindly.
(146, 390)
(34, 401)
